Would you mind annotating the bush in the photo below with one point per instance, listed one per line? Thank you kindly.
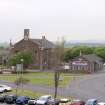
(16, 59)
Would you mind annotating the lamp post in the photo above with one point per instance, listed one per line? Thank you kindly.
(22, 60)
(21, 66)
(41, 58)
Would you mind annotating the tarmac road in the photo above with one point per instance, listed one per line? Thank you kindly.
(90, 86)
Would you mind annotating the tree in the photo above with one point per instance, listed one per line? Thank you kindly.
(75, 51)
(59, 55)
(100, 51)
(20, 81)
(16, 59)
(56, 76)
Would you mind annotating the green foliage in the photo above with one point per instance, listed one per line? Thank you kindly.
(100, 51)
(30, 93)
(1, 47)
(16, 59)
(75, 51)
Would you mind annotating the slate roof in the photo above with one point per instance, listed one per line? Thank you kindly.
(43, 43)
(92, 58)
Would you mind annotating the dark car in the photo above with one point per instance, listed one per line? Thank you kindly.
(2, 97)
(10, 99)
(22, 100)
(77, 102)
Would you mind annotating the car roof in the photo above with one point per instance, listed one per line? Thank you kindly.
(92, 100)
(101, 103)
(76, 100)
(21, 96)
(64, 99)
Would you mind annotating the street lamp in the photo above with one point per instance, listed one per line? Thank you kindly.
(41, 58)
(21, 67)
(21, 64)
(22, 60)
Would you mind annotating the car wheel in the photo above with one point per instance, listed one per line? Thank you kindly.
(5, 90)
(23, 103)
(45, 104)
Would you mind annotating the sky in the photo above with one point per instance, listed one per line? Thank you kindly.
(71, 19)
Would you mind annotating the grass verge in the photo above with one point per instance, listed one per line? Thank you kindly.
(40, 78)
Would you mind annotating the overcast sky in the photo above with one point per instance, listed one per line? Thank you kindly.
(73, 19)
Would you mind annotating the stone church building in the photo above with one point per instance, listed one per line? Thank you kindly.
(41, 49)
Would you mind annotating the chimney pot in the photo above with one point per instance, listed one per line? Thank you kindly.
(43, 37)
(26, 34)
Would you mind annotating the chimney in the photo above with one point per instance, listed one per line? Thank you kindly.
(43, 41)
(10, 44)
(43, 37)
(26, 34)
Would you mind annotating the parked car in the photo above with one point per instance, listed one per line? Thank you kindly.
(2, 97)
(53, 102)
(5, 88)
(1, 90)
(32, 102)
(10, 99)
(92, 102)
(77, 102)
(64, 100)
(101, 103)
(22, 100)
(43, 100)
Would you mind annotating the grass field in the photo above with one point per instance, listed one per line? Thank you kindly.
(33, 94)
(29, 93)
(40, 78)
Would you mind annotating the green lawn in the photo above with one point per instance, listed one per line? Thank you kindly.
(29, 93)
(40, 78)
(32, 94)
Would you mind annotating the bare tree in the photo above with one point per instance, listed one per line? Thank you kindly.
(59, 57)
(20, 81)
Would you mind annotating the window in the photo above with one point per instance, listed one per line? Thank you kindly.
(16, 51)
(35, 52)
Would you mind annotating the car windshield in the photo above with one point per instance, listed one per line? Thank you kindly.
(42, 98)
(90, 103)
(1, 86)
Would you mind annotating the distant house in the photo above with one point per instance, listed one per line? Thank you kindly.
(41, 49)
(89, 63)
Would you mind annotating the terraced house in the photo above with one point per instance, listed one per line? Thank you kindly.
(41, 49)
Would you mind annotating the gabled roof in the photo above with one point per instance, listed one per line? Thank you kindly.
(43, 43)
(92, 58)
(40, 42)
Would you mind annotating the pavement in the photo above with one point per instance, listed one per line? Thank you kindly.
(86, 87)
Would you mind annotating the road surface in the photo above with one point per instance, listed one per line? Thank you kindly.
(89, 86)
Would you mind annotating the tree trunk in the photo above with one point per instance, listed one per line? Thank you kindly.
(56, 83)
